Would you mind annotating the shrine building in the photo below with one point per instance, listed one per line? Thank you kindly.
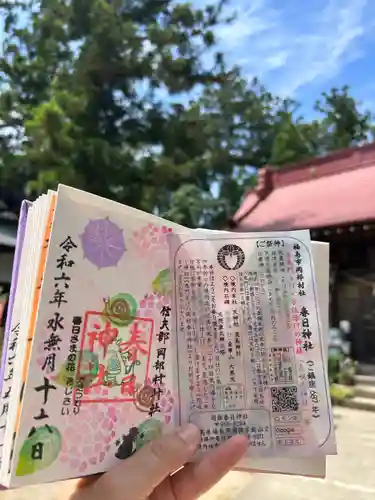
(334, 197)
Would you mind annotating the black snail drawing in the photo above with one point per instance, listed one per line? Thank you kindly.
(138, 437)
(234, 253)
(126, 446)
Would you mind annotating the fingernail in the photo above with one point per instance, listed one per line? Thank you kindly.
(190, 434)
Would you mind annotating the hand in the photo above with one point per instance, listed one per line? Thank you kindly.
(147, 473)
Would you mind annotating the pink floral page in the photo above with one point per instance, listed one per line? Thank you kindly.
(100, 381)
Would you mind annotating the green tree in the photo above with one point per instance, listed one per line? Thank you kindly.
(294, 140)
(89, 93)
(83, 86)
(340, 124)
(239, 127)
(343, 124)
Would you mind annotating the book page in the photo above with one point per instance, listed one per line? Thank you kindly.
(12, 328)
(18, 316)
(48, 218)
(102, 375)
(249, 339)
(38, 225)
(100, 380)
(314, 466)
(15, 273)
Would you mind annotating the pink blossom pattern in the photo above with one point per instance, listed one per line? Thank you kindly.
(151, 304)
(88, 438)
(151, 244)
(166, 404)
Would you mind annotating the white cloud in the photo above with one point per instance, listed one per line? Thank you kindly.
(290, 43)
(254, 21)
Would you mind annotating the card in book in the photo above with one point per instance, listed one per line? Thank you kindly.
(305, 466)
(142, 325)
(309, 466)
(250, 351)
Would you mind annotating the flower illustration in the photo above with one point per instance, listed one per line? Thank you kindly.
(88, 438)
(103, 243)
(166, 404)
(152, 245)
(151, 305)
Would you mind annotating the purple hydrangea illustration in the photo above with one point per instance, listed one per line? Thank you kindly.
(103, 243)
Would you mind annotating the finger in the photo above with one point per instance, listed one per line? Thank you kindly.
(81, 491)
(87, 481)
(196, 478)
(142, 472)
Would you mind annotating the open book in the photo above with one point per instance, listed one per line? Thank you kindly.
(123, 325)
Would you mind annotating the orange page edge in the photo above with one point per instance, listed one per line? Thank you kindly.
(36, 300)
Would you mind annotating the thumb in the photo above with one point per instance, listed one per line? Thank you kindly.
(140, 474)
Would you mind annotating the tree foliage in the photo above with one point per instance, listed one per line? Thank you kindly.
(98, 94)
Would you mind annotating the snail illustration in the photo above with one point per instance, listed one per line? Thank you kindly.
(148, 430)
(126, 445)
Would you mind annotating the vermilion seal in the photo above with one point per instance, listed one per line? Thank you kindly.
(144, 398)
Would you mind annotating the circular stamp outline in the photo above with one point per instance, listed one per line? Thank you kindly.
(228, 249)
(138, 403)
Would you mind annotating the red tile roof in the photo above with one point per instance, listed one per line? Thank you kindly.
(332, 191)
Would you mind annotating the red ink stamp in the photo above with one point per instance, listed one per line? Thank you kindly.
(119, 359)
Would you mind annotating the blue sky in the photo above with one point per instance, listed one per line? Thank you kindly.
(300, 48)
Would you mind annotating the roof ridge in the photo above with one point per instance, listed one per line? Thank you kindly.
(340, 161)
(271, 179)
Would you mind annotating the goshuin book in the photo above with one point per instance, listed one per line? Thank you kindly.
(123, 325)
